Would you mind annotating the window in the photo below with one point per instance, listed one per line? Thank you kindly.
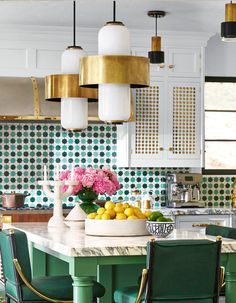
(220, 125)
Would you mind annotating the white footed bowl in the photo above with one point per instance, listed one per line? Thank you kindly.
(116, 228)
(74, 225)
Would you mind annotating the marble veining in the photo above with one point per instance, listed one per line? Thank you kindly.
(76, 243)
(198, 211)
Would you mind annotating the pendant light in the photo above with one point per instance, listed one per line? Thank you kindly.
(156, 56)
(114, 72)
(65, 87)
(228, 28)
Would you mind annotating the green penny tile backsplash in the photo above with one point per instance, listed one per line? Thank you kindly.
(26, 148)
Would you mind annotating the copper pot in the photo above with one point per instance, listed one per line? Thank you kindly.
(13, 200)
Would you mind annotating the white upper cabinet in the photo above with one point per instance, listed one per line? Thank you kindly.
(179, 62)
(184, 62)
(167, 131)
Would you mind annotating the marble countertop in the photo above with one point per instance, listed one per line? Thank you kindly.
(197, 211)
(75, 243)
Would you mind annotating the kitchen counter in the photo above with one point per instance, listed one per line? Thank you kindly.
(29, 214)
(76, 243)
(85, 253)
(197, 211)
(30, 211)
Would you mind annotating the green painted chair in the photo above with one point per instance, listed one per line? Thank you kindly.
(225, 232)
(178, 271)
(19, 284)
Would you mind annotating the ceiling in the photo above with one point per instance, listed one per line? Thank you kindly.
(183, 15)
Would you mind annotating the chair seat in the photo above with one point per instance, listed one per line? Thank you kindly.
(129, 294)
(58, 287)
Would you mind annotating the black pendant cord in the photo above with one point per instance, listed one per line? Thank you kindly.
(114, 11)
(74, 26)
(156, 25)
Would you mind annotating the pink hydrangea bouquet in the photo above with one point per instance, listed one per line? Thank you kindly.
(91, 183)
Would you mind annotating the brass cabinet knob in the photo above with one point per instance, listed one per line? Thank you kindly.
(171, 148)
(161, 148)
(161, 65)
(171, 66)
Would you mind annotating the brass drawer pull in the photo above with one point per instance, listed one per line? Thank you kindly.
(200, 224)
(161, 65)
(171, 66)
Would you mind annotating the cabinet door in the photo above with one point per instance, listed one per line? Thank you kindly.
(183, 125)
(147, 133)
(184, 62)
(199, 222)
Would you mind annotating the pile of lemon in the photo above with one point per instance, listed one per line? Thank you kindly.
(118, 211)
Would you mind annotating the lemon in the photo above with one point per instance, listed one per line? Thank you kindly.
(119, 208)
(126, 205)
(137, 211)
(101, 211)
(91, 215)
(106, 216)
(132, 217)
(111, 212)
(129, 211)
(119, 204)
(98, 217)
(109, 205)
(141, 216)
(121, 216)
(147, 213)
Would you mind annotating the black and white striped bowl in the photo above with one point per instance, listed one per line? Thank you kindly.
(160, 229)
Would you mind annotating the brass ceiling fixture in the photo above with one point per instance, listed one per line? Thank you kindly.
(228, 28)
(114, 71)
(65, 87)
(156, 56)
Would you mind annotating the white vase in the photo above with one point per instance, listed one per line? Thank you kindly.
(76, 218)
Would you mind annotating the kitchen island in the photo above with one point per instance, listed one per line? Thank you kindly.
(85, 253)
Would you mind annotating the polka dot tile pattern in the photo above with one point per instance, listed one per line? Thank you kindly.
(216, 191)
(26, 148)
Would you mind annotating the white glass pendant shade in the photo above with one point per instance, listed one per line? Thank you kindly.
(114, 102)
(70, 60)
(114, 99)
(113, 40)
(74, 113)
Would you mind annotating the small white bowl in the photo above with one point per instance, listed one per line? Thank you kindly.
(160, 229)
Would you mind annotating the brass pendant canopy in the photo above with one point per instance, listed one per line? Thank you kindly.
(118, 69)
(156, 56)
(228, 28)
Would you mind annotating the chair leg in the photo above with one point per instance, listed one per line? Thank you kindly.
(7, 299)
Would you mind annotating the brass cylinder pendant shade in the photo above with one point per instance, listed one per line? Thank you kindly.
(156, 56)
(116, 69)
(228, 28)
(67, 86)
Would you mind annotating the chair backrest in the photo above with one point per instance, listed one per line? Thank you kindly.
(223, 231)
(14, 244)
(183, 271)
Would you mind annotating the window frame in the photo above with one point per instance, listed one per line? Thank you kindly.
(218, 171)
